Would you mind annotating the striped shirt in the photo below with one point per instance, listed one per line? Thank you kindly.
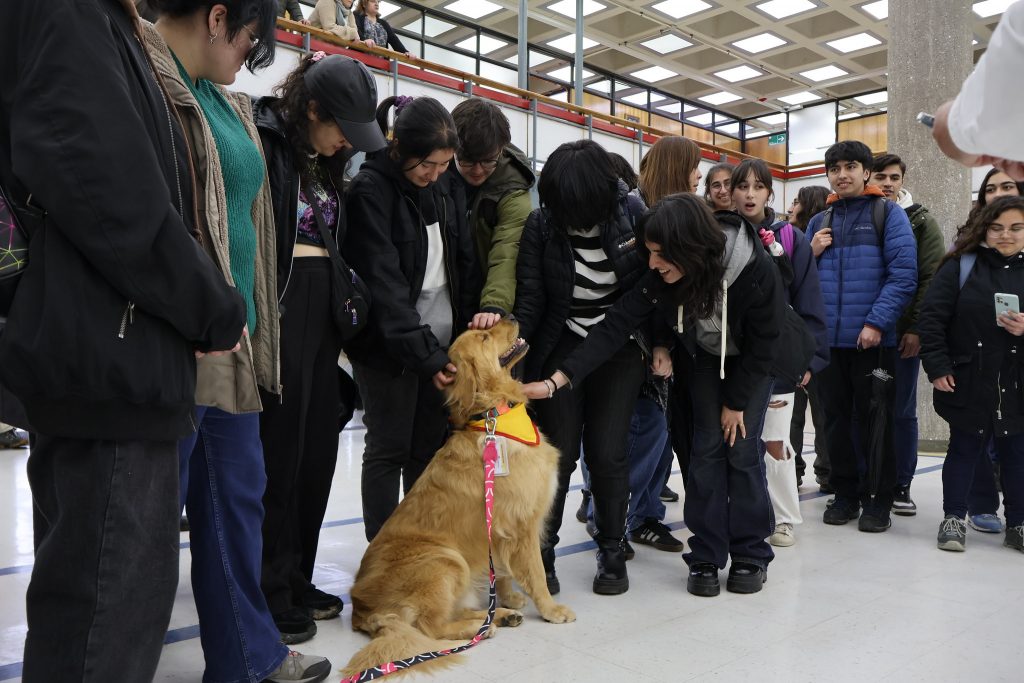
(595, 285)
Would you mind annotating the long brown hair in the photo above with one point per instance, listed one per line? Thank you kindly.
(974, 232)
(667, 168)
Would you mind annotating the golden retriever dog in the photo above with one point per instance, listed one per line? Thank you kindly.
(429, 560)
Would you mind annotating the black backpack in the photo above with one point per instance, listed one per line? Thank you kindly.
(879, 211)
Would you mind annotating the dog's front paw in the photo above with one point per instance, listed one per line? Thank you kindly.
(513, 600)
(559, 614)
(511, 619)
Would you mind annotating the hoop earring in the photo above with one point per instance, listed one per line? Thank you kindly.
(213, 37)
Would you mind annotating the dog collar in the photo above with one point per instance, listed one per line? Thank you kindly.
(512, 423)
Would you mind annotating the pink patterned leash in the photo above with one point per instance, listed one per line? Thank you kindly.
(490, 456)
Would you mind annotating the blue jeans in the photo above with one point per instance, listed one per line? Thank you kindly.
(222, 484)
(964, 460)
(727, 505)
(904, 434)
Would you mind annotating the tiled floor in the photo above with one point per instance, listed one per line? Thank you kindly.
(839, 605)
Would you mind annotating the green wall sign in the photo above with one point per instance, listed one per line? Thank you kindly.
(777, 139)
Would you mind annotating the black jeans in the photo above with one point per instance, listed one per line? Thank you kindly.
(727, 505)
(406, 422)
(984, 496)
(680, 413)
(300, 436)
(595, 413)
(106, 566)
(964, 463)
(822, 468)
(845, 389)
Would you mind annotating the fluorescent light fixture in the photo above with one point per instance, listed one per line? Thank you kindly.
(718, 98)
(566, 74)
(653, 74)
(729, 129)
(384, 8)
(604, 86)
(487, 44)
(567, 8)
(677, 9)
(846, 117)
(689, 107)
(739, 73)
(474, 9)
(825, 73)
(666, 43)
(780, 9)
(883, 109)
(759, 43)
(879, 10)
(568, 43)
(758, 134)
(800, 98)
(990, 8)
(432, 27)
(536, 58)
(772, 120)
(639, 99)
(673, 108)
(857, 41)
(702, 119)
(873, 98)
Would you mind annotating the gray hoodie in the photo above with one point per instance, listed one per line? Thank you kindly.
(739, 250)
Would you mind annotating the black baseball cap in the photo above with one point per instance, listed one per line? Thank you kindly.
(346, 90)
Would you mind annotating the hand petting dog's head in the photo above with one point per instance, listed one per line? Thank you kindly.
(484, 359)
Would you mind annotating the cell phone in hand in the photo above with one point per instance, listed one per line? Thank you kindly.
(1006, 303)
(926, 119)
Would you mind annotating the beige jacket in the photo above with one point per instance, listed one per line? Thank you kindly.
(324, 16)
(230, 382)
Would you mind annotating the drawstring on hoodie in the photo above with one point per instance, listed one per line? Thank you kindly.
(725, 312)
(679, 318)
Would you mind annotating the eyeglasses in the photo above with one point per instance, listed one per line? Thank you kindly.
(1015, 229)
(486, 164)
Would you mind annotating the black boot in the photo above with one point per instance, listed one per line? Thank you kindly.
(547, 556)
(581, 513)
(611, 576)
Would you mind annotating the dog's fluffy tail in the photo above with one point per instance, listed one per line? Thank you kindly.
(395, 639)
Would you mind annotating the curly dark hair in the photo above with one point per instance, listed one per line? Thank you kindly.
(812, 200)
(975, 230)
(692, 240)
(241, 13)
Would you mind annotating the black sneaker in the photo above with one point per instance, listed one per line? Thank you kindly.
(547, 556)
(902, 503)
(703, 580)
(668, 495)
(745, 578)
(874, 522)
(952, 534)
(581, 513)
(12, 438)
(322, 605)
(841, 511)
(1014, 537)
(657, 535)
(295, 625)
(611, 578)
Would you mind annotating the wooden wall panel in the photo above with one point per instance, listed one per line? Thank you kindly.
(699, 134)
(873, 131)
(601, 104)
(759, 147)
(727, 142)
(632, 113)
(666, 124)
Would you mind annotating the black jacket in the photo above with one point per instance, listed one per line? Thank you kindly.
(545, 275)
(284, 187)
(387, 246)
(754, 319)
(100, 340)
(959, 337)
(394, 42)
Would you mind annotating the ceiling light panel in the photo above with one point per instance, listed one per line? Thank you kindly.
(739, 73)
(667, 43)
(800, 98)
(474, 9)
(432, 27)
(873, 98)
(758, 134)
(702, 119)
(487, 44)
(772, 120)
(825, 73)
(879, 10)
(385, 8)
(677, 9)
(759, 43)
(990, 8)
(536, 59)
(858, 41)
(639, 99)
(845, 117)
(601, 86)
(780, 9)
(719, 98)
(566, 74)
(568, 43)
(729, 129)
(567, 8)
(673, 108)
(653, 74)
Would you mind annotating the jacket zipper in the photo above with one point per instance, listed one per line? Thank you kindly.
(295, 240)
(447, 270)
(127, 318)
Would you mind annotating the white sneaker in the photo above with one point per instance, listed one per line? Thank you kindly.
(783, 536)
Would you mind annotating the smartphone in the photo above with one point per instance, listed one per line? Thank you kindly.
(926, 119)
(1005, 303)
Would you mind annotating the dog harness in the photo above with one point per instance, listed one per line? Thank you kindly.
(512, 423)
(490, 457)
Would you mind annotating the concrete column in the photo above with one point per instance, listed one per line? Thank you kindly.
(930, 55)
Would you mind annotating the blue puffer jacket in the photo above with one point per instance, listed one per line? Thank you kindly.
(860, 283)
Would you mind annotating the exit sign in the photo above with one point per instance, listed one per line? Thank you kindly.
(777, 139)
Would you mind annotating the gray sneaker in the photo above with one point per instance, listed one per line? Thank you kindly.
(1015, 538)
(300, 668)
(953, 534)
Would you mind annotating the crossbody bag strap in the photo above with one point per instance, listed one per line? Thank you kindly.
(330, 243)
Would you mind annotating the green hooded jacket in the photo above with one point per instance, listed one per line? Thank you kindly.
(497, 214)
(930, 250)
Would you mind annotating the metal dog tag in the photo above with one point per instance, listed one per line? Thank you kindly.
(501, 464)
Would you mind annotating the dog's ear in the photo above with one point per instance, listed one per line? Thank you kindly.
(463, 391)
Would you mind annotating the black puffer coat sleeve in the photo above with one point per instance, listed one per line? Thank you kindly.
(936, 314)
(530, 295)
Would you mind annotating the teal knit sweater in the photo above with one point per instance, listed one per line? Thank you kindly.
(242, 169)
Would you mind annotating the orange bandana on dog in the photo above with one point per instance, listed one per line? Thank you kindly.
(513, 423)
